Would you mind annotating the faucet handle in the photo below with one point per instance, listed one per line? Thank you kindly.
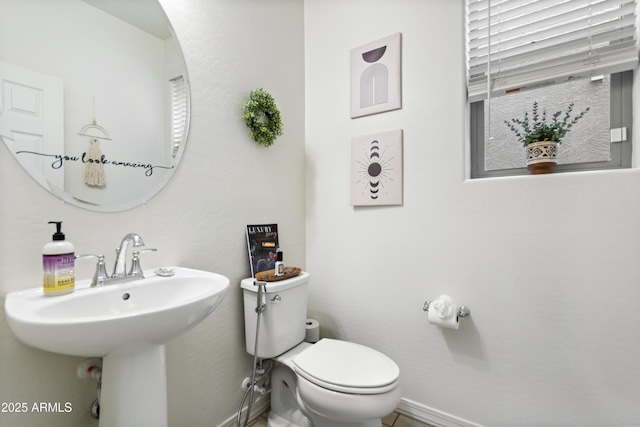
(101, 270)
(136, 270)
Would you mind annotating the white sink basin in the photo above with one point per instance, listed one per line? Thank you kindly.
(97, 321)
(125, 323)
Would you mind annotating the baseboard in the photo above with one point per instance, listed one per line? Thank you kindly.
(432, 416)
(260, 404)
(406, 407)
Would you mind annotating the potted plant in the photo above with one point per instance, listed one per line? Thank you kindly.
(541, 138)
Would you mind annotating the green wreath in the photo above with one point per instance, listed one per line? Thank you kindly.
(262, 116)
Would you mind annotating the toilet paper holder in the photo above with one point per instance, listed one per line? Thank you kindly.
(463, 311)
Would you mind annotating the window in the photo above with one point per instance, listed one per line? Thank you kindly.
(179, 112)
(553, 53)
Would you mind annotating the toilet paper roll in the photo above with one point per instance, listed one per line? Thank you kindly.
(313, 331)
(451, 322)
(443, 312)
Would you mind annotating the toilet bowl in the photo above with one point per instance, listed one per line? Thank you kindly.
(331, 383)
(347, 382)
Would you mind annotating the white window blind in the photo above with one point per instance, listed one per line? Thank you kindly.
(179, 112)
(518, 44)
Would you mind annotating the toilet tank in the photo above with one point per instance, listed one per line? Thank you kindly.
(283, 321)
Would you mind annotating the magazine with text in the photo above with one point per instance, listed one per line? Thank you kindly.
(262, 243)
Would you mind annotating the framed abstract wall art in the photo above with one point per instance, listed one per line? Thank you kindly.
(376, 76)
(376, 169)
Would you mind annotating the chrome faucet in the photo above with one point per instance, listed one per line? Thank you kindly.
(120, 267)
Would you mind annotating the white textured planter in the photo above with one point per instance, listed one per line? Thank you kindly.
(541, 156)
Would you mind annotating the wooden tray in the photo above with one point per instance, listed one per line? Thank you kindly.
(269, 276)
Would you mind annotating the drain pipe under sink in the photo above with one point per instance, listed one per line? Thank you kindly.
(92, 368)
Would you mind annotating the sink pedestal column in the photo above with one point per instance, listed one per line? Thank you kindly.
(134, 387)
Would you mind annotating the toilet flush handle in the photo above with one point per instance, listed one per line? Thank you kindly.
(275, 299)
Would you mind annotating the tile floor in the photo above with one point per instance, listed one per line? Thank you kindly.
(392, 420)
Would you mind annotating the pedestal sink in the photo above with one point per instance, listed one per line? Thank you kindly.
(125, 323)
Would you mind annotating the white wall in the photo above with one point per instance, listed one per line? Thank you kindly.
(548, 265)
(224, 182)
(559, 347)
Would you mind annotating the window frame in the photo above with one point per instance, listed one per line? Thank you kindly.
(621, 152)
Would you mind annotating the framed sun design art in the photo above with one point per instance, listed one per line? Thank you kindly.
(376, 169)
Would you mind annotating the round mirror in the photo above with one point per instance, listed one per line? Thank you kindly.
(95, 98)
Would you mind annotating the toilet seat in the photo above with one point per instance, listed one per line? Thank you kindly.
(347, 367)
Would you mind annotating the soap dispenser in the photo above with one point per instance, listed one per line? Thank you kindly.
(58, 262)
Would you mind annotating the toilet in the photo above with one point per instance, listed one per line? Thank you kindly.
(331, 383)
